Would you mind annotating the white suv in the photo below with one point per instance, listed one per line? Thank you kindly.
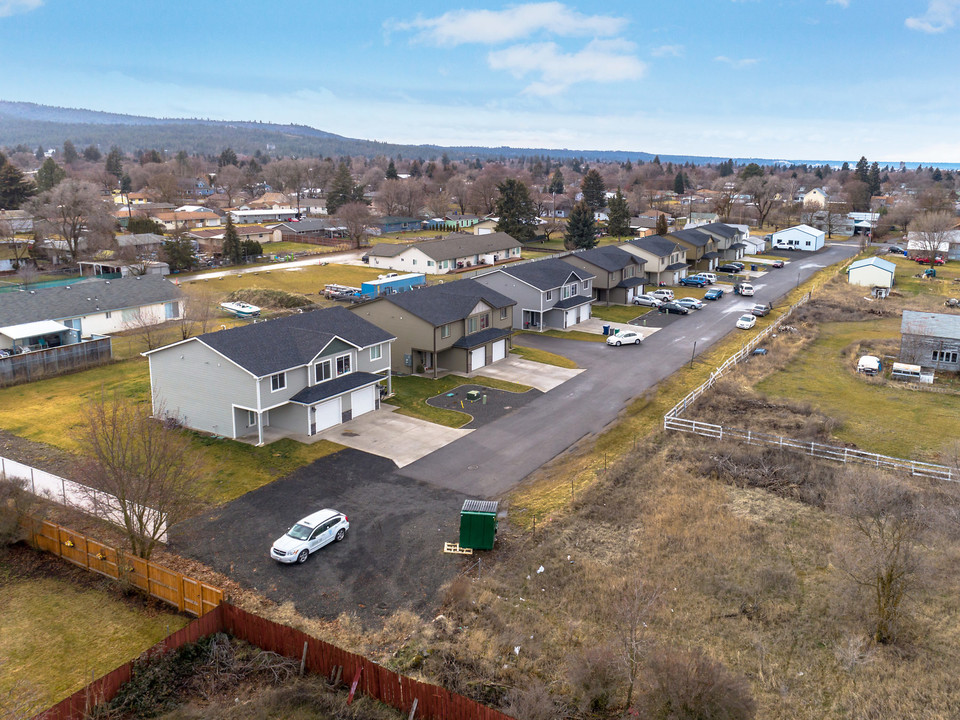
(663, 294)
(709, 277)
(310, 534)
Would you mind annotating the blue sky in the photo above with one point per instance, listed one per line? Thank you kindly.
(791, 79)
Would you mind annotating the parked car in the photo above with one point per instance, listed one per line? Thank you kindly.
(897, 250)
(689, 302)
(760, 310)
(730, 268)
(693, 280)
(663, 294)
(625, 337)
(675, 308)
(745, 289)
(738, 264)
(925, 260)
(309, 535)
(713, 294)
(648, 300)
(709, 277)
(777, 264)
(746, 322)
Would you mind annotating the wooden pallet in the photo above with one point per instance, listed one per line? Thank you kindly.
(455, 549)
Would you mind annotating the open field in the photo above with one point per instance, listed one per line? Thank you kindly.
(411, 393)
(55, 632)
(308, 280)
(285, 248)
(51, 412)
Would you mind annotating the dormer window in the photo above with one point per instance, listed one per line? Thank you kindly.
(324, 371)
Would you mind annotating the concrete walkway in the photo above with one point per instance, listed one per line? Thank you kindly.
(516, 369)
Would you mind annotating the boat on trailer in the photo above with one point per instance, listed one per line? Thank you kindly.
(240, 309)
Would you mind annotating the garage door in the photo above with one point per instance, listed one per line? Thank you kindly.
(326, 415)
(363, 400)
(584, 312)
(478, 358)
(571, 317)
(499, 350)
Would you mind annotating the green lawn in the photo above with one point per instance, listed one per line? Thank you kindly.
(944, 285)
(411, 393)
(542, 356)
(55, 634)
(887, 419)
(285, 248)
(618, 313)
(51, 412)
(570, 335)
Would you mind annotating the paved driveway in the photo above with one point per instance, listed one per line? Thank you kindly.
(494, 458)
(514, 368)
(389, 434)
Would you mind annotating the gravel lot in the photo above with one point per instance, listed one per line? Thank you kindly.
(499, 403)
(391, 558)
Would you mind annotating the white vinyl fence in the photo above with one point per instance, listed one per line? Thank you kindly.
(69, 493)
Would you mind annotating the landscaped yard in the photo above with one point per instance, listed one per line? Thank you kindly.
(51, 412)
(619, 313)
(55, 634)
(411, 393)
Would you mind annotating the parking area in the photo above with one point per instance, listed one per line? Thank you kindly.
(516, 369)
(391, 558)
(483, 404)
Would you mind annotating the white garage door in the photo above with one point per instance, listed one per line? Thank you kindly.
(326, 415)
(499, 350)
(478, 358)
(584, 312)
(363, 400)
(571, 317)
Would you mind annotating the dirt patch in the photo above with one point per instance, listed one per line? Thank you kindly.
(491, 405)
(39, 455)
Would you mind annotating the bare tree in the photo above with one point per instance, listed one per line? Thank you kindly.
(633, 604)
(231, 179)
(151, 470)
(764, 191)
(74, 211)
(438, 204)
(931, 231)
(199, 311)
(296, 175)
(356, 218)
(390, 197)
(146, 326)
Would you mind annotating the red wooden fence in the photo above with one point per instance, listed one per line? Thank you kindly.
(376, 681)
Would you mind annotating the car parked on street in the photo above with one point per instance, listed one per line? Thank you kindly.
(309, 535)
(689, 302)
(777, 264)
(675, 308)
(648, 300)
(693, 280)
(729, 268)
(760, 310)
(713, 294)
(625, 337)
(746, 322)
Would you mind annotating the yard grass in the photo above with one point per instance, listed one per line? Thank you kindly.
(411, 393)
(884, 418)
(570, 335)
(54, 634)
(618, 313)
(945, 284)
(308, 280)
(51, 411)
(285, 248)
(543, 356)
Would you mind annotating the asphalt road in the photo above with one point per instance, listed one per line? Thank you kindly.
(492, 459)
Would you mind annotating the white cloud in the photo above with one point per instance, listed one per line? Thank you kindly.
(667, 51)
(12, 7)
(601, 61)
(940, 15)
(841, 3)
(739, 64)
(491, 27)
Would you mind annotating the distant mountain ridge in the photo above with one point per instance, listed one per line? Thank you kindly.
(32, 125)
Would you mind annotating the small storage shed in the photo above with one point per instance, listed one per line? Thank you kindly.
(478, 524)
(872, 272)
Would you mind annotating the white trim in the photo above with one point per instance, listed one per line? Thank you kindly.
(283, 376)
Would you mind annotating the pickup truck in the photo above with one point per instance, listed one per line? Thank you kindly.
(745, 289)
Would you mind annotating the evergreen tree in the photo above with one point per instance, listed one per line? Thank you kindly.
(656, 160)
(581, 233)
(232, 248)
(392, 171)
(618, 223)
(726, 168)
(678, 184)
(556, 183)
(91, 153)
(250, 249)
(179, 254)
(751, 170)
(227, 157)
(15, 189)
(863, 170)
(49, 175)
(342, 190)
(70, 154)
(594, 192)
(937, 175)
(874, 179)
(518, 219)
(40, 153)
(845, 167)
(628, 166)
(662, 226)
(114, 164)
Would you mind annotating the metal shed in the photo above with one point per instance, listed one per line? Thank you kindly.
(478, 524)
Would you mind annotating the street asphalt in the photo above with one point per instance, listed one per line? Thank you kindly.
(495, 457)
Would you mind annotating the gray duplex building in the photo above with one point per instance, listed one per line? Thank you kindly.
(297, 375)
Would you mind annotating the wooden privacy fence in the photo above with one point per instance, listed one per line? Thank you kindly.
(320, 658)
(54, 361)
(183, 592)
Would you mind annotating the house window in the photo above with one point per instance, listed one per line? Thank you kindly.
(251, 418)
(429, 263)
(566, 291)
(171, 310)
(108, 314)
(503, 313)
(343, 365)
(549, 294)
(484, 321)
(414, 261)
(585, 283)
(323, 371)
(278, 382)
(471, 325)
(444, 331)
(376, 352)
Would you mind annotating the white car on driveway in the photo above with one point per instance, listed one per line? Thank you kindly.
(648, 300)
(746, 322)
(625, 337)
(309, 535)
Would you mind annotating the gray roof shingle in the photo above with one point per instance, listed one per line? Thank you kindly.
(451, 247)
(337, 386)
(85, 298)
(657, 245)
(721, 229)
(546, 274)
(479, 338)
(609, 258)
(693, 236)
(442, 304)
(270, 347)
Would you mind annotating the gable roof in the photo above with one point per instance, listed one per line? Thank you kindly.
(693, 237)
(873, 262)
(657, 245)
(451, 247)
(546, 274)
(929, 324)
(306, 225)
(722, 229)
(265, 348)
(804, 229)
(85, 298)
(442, 304)
(609, 258)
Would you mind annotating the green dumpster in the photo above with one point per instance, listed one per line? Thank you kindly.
(478, 524)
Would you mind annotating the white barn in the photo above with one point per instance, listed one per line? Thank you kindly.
(799, 237)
